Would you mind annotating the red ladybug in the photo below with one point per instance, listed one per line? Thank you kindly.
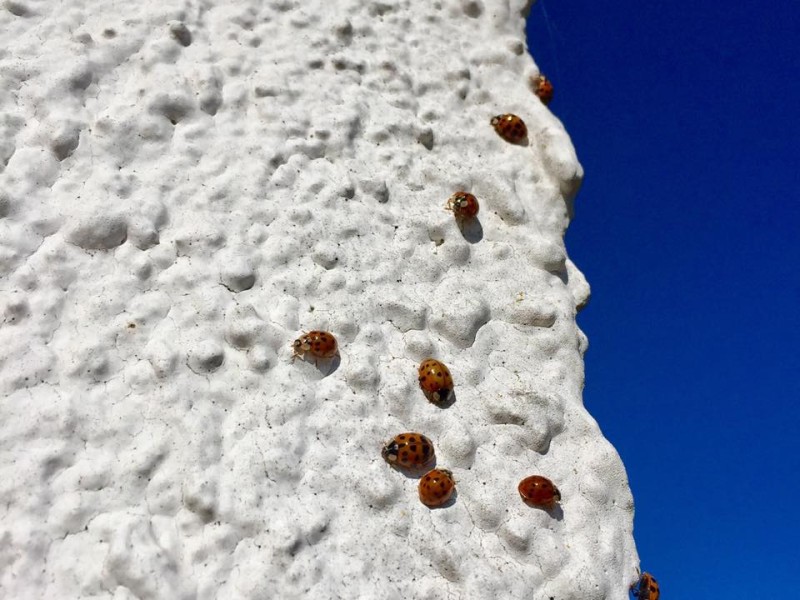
(436, 487)
(542, 88)
(510, 127)
(319, 344)
(646, 588)
(409, 450)
(464, 205)
(435, 380)
(538, 491)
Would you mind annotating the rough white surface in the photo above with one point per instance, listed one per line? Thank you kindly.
(184, 188)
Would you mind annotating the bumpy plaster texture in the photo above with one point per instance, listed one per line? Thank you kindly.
(185, 187)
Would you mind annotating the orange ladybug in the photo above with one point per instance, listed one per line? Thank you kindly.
(646, 588)
(435, 380)
(538, 491)
(510, 127)
(436, 487)
(464, 205)
(409, 450)
(542, 88)
(319, 344)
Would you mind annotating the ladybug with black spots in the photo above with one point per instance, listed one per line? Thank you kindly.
(463, 205)
(408, 450)
(538, 491)
(318, 344)
(510, 127)
(646, 588)
(436, 487)
(542, 88)
(435, 380)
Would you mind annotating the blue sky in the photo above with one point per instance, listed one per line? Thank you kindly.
(686, 118)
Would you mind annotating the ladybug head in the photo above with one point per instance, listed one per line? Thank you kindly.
(389, 452)
(495, 120)
(441, 396)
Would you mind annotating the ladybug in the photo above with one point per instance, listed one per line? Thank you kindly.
(409, 450)
(319, 344)
(539, 491)
(542, 88)
(464, 205)
(646, 588)
(510, 127)
(435, 380)
(436, 487)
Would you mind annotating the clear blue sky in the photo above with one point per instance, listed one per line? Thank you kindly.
(686, 118)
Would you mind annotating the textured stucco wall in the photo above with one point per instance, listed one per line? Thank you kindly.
(184, 188)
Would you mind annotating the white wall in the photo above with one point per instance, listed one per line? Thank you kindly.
(184, 188)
